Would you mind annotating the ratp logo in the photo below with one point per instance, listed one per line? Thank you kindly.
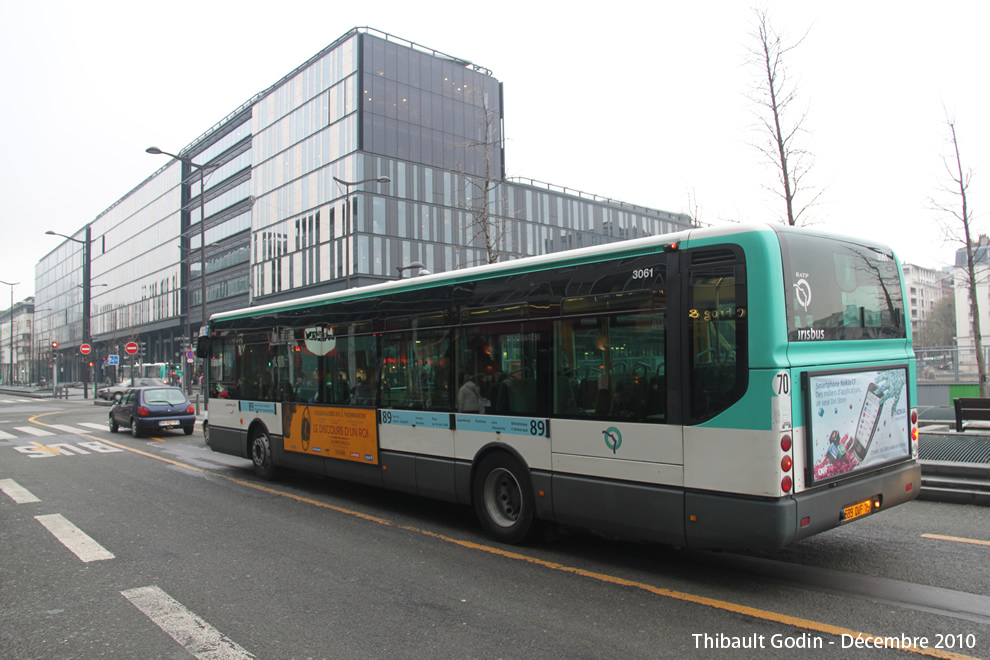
(613, 438)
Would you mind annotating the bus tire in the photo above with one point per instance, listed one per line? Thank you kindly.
(261, 454)
(503, 498)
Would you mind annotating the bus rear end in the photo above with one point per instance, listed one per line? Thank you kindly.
(826, 432)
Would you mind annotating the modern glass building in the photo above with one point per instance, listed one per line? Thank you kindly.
(375, 154)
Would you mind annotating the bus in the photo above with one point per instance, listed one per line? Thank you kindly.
(733, 387)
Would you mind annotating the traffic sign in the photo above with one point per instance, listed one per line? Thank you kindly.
(113, 360)
(190, 355)
(85, 349)
(131, 348)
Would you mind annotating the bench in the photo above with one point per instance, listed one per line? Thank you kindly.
(975, 410)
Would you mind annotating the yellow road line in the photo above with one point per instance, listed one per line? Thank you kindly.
(62, 412)
(957, 539)
(54, 451)
(765, 615)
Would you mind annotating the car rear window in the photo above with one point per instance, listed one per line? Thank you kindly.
(167, 395)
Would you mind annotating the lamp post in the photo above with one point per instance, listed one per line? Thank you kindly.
(202, 169)
(36, 359)
(415, 264)
(347, 218)
(10, 381)
(86, 294)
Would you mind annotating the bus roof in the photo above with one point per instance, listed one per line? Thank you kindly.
(631, 247)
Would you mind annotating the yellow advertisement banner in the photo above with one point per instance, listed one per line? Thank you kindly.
(350, 434)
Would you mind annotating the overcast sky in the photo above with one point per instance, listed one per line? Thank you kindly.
(645, 103)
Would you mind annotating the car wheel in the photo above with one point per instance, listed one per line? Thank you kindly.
(503, 498)
(187, 430)
(206, 432)
(261, 455)
(113, 425)
(134, 428)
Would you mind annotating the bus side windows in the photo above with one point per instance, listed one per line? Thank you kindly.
(612, 367)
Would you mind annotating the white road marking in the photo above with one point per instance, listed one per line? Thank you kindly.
(6, 436)
(16, 492)
(74, 538)
(31, 430)
(94, 425)
(67, 429)
(194, 634)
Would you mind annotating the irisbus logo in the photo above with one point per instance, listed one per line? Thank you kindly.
(811, 333)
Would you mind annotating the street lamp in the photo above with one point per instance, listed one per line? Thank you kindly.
(415, 264)
(347, 218)
(86, 294)
(36, 359)
(10, 382)
(202, 169)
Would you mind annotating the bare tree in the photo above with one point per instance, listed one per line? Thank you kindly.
(487, 225)
(958, 215)
(939, 329)
(781, 123)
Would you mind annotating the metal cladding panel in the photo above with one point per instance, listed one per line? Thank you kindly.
(634, 511)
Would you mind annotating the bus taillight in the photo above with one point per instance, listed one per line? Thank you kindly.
(785, 463)
(785, 483)
(914, 433)
(785, 443)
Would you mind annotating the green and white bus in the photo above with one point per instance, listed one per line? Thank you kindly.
(735, 387)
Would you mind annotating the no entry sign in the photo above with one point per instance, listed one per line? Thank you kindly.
(85, 349)
(131, 348)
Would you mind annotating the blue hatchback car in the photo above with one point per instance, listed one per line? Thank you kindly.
(151, 409)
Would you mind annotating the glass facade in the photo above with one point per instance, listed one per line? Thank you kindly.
(293, 204)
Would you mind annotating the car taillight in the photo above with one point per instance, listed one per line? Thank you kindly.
(190, 410)
(143, 412)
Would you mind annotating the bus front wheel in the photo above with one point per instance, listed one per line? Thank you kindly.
(503, 498)
(261, 454)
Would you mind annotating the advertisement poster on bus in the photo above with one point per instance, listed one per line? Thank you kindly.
(857, 420)
(350, 434)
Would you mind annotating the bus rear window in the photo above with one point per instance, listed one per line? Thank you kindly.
(840, 290)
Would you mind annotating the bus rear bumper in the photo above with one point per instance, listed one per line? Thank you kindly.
(730, 522)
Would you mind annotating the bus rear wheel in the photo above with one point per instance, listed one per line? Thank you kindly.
(261, 455)
(503, 498)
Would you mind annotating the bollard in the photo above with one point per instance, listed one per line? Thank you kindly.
(197, 404)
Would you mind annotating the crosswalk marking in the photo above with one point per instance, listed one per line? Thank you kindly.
(16, 492)
(6, 436)
(187, 628)
(31, 430)
(67, 428)
(93, 425)
(16, 401)
(74, 538)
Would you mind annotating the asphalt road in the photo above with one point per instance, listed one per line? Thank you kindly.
(115, 547)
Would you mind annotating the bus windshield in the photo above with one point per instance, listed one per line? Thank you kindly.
(840, 290)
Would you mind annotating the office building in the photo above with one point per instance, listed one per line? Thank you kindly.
(375, 154)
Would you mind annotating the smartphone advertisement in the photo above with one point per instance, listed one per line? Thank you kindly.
(857, 420)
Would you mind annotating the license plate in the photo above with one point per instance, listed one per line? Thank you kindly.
(169, 422)
(856, 510)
